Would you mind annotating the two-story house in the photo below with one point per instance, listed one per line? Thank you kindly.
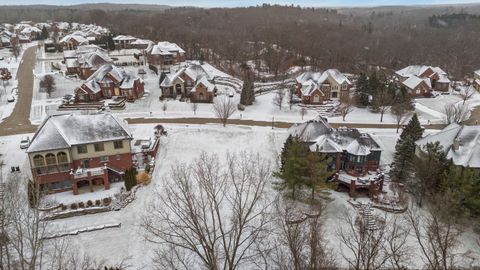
(72, 151)
(164, 54)
(354, 154)
(421, 80)
(109, 81)
(123, 42)
(317, 87)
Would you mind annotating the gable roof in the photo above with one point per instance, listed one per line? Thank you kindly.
(66, 130)
(164, 48)
(414, 81)
(203, 81)
(312, 81)
(468, 137)
(310, 131)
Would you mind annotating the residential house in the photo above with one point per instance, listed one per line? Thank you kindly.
(461, 143)
(355, 155)
(85, 60)
(31, 32)
(193, 81)
(123, 42)
(476, 79)
(141, 44)
(434, 77)
(164, 54)
(317, 87)
(72, 41)
(72, 151)
(109, 81)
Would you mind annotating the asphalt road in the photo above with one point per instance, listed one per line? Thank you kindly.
(19, 121)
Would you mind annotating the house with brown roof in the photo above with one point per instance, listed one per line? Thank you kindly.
(317, 87)
(434, 77)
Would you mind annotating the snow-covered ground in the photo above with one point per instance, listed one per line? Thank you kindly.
(12, 156)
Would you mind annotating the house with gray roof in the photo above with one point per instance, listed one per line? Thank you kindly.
(79, 151)
(319, 87)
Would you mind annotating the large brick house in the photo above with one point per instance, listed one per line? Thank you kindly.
(192, 82)
(123, 42)
(355, 155)
(164, 54)
(71, 151)
(317, 87)
(85, 60)
(421, 80)
(109, 81)
(71, 42)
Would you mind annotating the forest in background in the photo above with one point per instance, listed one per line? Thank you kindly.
(350, 39)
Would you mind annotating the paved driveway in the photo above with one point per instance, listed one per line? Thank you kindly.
(19, 121)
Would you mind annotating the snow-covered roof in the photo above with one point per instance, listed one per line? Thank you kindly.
(78, 38)
(71, 63)
(413, 82)
(467, 138)
(30, 29)
(477, 73)
(124, 38)
(203, 81)
(312, 81)
(170, 79)
(165, 48)
(418, 70)
(310, 131)
(66, 130)
(142, 42)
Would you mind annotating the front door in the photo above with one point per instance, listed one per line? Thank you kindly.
(116, 91)
(316, 99)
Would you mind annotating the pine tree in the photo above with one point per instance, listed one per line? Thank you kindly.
(110, 43)
(318, 170)
(44, 34)
(284, 154)
(405, 150)
(130, 178)
(361, 93)
(295, 169)
(462, 185)
(247, 96)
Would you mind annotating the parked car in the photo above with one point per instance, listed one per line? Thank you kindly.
(11, 98)
(231, 93)
(141, 71)
(24, 142)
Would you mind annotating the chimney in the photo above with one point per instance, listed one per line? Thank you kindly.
(456, 144)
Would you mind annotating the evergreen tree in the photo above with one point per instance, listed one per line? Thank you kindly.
(318, 170)
(110, 43)
(130, 178)
(44, 34)
(284, 154)
(403, 97)
(402, 168)
(463, 186)
(295, 169)
(362, 92)
(247, 96)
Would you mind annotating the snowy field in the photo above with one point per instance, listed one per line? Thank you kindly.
(183, 144)
(12, 156)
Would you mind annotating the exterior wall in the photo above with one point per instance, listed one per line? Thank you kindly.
(109, 150)
(119, 162)
(441, 86)
(421, 90)
(200, 90)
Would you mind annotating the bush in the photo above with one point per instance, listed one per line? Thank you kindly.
(107, 201)
(81, 204)
(63, 207)
(74, 206)
(89, 203)
(98, 202)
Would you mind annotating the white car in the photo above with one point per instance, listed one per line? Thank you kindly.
(24, 142)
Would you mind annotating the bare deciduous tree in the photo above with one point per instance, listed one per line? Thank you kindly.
(278, 98)
(299, 241)
(211, 213)
(15, 47)
(346, 105)
(303, 112)
(455, 113)
(467, 93)
(224, 109)
(400, 112)
(47, 84)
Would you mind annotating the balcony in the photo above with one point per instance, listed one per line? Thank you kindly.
(84, 173)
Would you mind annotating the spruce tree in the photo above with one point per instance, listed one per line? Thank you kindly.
(362, 92)
(318, 170)
(284, 154)
(402, 168)
(44, 34)
(130, 178)
(247, 96)
(413, 129)
(295, 169)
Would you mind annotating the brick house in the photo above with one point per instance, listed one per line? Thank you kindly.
(164, 54)
(435, 78)
(123, 42)
(85, 60)
(317, 87)
(354, 154)
(192, 82)
(71, 42)
(109, 81)
(71, 151)
(417, 86)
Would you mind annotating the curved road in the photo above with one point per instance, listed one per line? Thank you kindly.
(19, 121)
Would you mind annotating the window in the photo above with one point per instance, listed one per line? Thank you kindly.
(118, 144)
(334, 94)
(98, 147)
(82, 149)
(50, 159)
(344, 86)
(38, 161)
(104, 158)
(62, 157)
(418, 91)
(85, 163)
(117, 157)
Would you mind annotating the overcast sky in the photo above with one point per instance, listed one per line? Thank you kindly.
(239, 3)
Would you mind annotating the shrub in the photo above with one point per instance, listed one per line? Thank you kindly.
(81, 204)
(107, 201)
(98, 202)
(89, 203)
(63, 207)
(74, 206)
